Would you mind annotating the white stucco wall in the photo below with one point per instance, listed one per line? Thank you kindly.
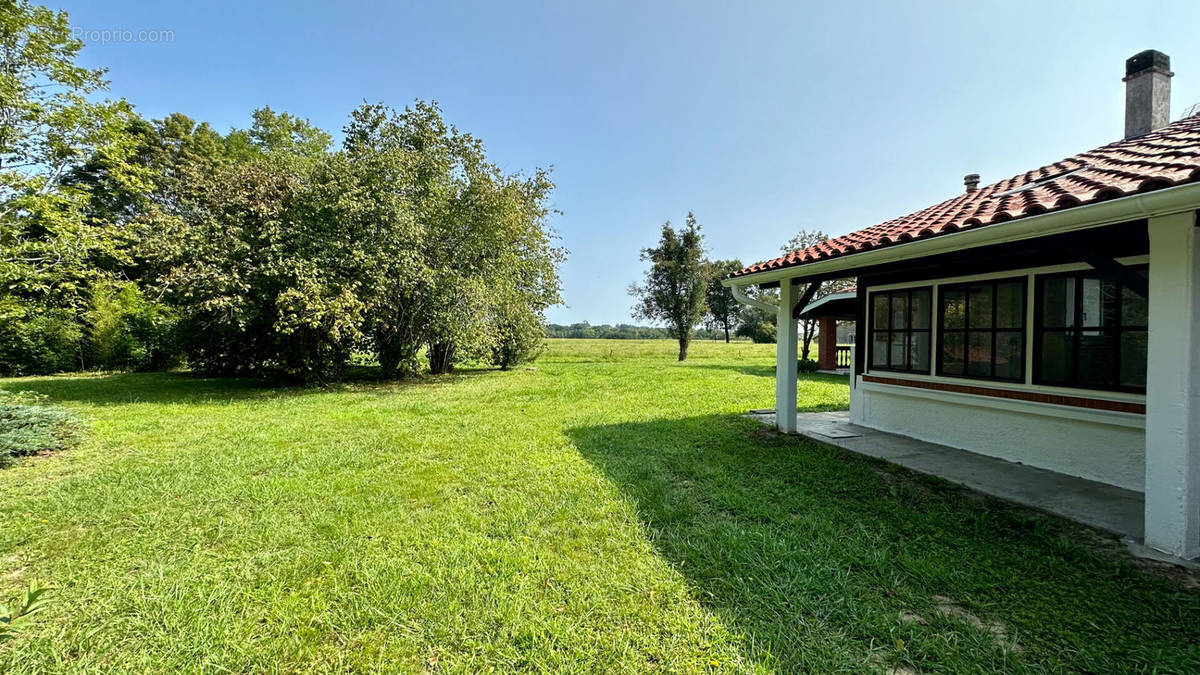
(1103, 446)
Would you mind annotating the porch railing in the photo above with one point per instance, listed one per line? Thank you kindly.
(843, 356)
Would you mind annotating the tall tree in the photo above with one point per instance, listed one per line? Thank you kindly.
(674, 286)
(723, 310)
(808, 327)
(471, 266)
(50, 122)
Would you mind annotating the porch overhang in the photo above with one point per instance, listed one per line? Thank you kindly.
(841, 306)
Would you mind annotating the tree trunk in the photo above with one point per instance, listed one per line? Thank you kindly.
(726, 332)
(441, 357)
(389, 361)
(683, 347)
(807, 341)
(394, 353)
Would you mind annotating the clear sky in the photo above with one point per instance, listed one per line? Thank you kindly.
(763, 118)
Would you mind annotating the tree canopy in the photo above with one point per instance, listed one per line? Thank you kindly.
(723, 311)
(675, 284)
(136, 243)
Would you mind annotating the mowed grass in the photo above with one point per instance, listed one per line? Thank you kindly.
(607, 510)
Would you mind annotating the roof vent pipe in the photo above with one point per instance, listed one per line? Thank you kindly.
(1147, 92)
(971, 180)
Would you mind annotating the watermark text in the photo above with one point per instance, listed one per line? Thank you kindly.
(107, 35)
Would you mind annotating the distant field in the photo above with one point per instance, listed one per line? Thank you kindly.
(605, 510)
(568, 349)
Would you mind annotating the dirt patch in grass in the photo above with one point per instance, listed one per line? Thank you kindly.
(949, 608)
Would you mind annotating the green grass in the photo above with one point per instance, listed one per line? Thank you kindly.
(607, 510)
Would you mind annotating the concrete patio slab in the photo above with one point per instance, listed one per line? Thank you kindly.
(1103, 506)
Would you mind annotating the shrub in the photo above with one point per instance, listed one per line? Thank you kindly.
(807, 366)
(37, 340)
(126, 331)
(520, 337)
(28, 427)
(761, 332)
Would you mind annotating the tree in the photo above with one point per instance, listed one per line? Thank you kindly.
(263, 281)
(263, 250)
(808, 327)
(674, 286)
(286, 133)
(51, 252)
(754, 323)
(723, 309)
(470, 266)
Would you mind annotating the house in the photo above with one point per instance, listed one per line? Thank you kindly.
(1052, 318)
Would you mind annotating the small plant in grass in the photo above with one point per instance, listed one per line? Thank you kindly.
(11, 618)
(807, 366)
(28, 426)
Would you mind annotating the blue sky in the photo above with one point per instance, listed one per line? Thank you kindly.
(763, 118)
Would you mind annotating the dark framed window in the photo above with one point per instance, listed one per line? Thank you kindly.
(1089, 333)
(900, 327)
(981, 329)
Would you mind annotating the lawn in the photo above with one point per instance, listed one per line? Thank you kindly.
(606, 510)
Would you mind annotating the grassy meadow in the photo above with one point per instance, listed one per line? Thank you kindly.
(606, 509)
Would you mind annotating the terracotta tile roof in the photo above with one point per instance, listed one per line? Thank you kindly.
(1160, 159)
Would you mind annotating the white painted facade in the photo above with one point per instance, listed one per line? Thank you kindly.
(1104, 446)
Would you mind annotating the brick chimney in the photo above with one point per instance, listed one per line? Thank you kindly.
(1147, 92)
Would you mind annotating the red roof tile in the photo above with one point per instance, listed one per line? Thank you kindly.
(1158, 160)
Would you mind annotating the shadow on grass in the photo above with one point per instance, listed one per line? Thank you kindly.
(187, 388)
(826, 560)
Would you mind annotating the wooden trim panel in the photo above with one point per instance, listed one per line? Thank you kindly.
(1035, 396)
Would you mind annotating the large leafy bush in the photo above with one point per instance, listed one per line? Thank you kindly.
(38, 340)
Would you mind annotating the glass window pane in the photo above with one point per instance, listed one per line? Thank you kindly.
(900, 310)
(1133, 358)
(1055, 359)
(1099, 303)
(1133, 309)
(918, 351)
(879, 311)
(1008, 355)
(954, 307)
(1010, 305)
(921, 306)
(1058, 302)
(879, 349)
(979, 306)
(1097, 349)
(979, 354)
(897, 350)
(952, 353)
